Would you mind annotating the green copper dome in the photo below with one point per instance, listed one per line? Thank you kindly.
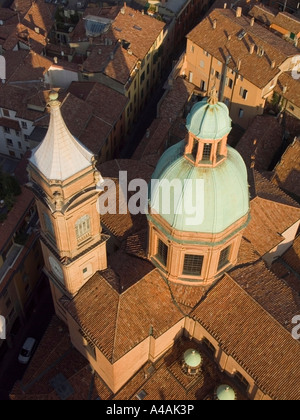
(199, 199)
(208, 120)
(225, 393)
(192, 358)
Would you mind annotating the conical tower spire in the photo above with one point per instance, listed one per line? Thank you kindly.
(60, 155)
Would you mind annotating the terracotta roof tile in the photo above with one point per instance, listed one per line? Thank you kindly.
(284, 272)
(273, 294)
(118, 224)
(263, 14)
(128, 269)
(136, 244)
(261, 142)
(287, 267)
(15, 97)
(287, 172)
(134, 168)
(31, 67)
(140, 31)
(292, 256)
(269, 191)
(130, 315)
(254, 68)
(288, 22)
(264, 232)
(292, 86)
(187, 297)
(234, 319)
(108, 104)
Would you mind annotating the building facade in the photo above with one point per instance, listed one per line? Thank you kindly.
(235, 59)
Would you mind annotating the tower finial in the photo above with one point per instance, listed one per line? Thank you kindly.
(213, 97)
(53, 98)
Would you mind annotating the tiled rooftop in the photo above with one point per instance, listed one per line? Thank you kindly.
(292, 85)
(248, 333)
(263, 14)
(273, 294)
(129, 316)
(261, 142)
(287, 172)
(265, 232)
(287, 21)
(254, 68)
(110, 58)
(288, 266)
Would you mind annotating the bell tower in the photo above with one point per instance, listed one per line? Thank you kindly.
(66, 185)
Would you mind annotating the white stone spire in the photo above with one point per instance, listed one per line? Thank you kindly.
(60, 155)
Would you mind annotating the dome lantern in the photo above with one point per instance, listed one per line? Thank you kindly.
(192, 361)
(225, 393)
(208, 126)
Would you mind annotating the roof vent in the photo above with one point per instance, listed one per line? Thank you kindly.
(260, 51)
(141, 395)
(241, 35)
(238, 12)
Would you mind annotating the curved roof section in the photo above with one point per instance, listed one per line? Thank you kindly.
(202, 199)
(208, 120)
(60, 155)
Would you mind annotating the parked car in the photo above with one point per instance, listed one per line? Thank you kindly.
(27, 350)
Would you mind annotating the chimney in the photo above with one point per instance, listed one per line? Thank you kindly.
(238, 12)
(284, 89)
(252, 21)
(125, 5)
(273, 64)
(225, 5)
(55, 59)
(252, 46)
(229, 37)
(239, 63)
(214, 23)
(260, 51)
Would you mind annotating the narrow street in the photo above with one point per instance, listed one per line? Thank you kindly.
(10, 369)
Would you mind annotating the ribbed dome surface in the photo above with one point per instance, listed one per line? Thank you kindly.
(209, 122)
(204, 199)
